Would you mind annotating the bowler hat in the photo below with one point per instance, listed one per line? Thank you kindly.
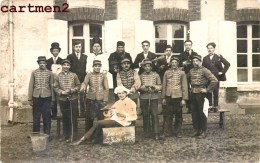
(125, 60)
(96, 62)
(65, 61)
(175, 58)
(212, 44)
(55, 45)
(121, 88)
(41, 58)
(197, 57)
(120, 43)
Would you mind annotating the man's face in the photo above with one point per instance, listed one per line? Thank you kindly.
(96, 68)
(174, 64)
(147, 68)
(42, 65)
(120, 49)
(196, 62)
(77, 48)
(125, 66)
(96, 48)
(187, 46)
(121, 95)
(211, 49)
(168, 51)
(55, 52)
(66, 67)
(145, 46)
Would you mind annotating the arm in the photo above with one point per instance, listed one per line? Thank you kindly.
(158, 85)
(31, 87)
(184, 87)
(164, 85)
(226, 64)
(106, 88)
(213, 80)
(118, 80)
(137, 81)
(56, 86)
(142, 87)
(85, 83)
(52, 86)
(77, 84)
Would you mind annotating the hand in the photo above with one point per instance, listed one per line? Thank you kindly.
(163, 101)
(220, 73)
(30, 102)
(183, 102)
(64, 93)
(132, 90)
(104, 103)
(184, 63)
(82, 89)
(203, 91)
(67, 91)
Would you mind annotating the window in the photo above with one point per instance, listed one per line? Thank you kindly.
(85, 33)
(170, 34)
(248, 53)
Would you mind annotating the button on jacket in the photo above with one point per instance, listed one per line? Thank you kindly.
(175, 84)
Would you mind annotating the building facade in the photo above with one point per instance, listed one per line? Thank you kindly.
(234, 25)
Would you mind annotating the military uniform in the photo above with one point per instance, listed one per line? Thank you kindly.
(97, 93)
(150, 83)
(201, 79)
(68, 103)
(174, 90)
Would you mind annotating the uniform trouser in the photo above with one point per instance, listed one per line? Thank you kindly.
(144, 104)
(69, 117)
(42, 108)
(215, 96)
(199, 119)
(173, 106)
(93, 106)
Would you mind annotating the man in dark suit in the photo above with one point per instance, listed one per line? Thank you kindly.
(78, 62)
(115, 62)
(186, 64)
(145, 54)
(54, 65)
(214, 62)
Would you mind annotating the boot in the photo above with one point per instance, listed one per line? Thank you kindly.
(178, 128)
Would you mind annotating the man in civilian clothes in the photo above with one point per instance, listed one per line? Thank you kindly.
(174, 94)
(115, 62)
(54, 65)
(145, 54)
(78, 62)
(150, 85)
(202, 82)
(186, 64)
(66, 86)
(213, 62)
(129, 78)
(41, 95)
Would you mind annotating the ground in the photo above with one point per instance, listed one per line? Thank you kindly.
(239, 142)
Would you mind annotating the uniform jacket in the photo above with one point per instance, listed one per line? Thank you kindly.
(103, 57)
(148, 79)
(175, 84)
(215, 65)
(50, 62)
(78, 66)
(66, 81)
(41, 84)
(186, 56)
(126, 108)
(140, 57)
(202, 78)
(98, 86)
(129, 79)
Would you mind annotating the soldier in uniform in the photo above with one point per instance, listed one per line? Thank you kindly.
(97, 95)
(174, 94)
(41, 95)
(129, 78)
(202, 82)
(186, 64)
(150, 85)
(115, 62)
(66, 86)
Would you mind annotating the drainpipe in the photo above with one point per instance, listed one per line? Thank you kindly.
(11, 54)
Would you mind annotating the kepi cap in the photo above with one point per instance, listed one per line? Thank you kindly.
(41, 58)
(197, 57)
(65, 61)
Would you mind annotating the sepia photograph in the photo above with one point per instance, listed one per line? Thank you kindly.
(130, 81)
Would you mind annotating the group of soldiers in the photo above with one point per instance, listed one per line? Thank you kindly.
(176, 81)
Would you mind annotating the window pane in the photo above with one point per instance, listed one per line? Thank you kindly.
(256, 46)
(177, 46)
(242, 46)
(78, 30)
(256, 74)
(161, 31)
(241, 60)
(82, 44)
(90, 45)
(256, 60)
(242, 75)
(177, 31)
(242, 31)
(160, 46)
(95, 30)
(256, 31)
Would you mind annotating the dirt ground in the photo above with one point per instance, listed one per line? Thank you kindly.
(239, 142)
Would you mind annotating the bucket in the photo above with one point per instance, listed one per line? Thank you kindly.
(39, 141)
